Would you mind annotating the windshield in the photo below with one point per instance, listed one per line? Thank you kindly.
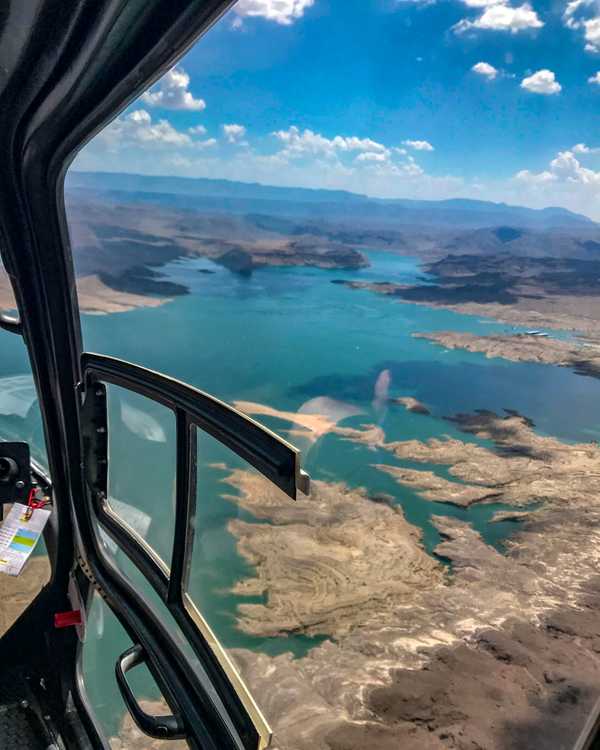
(372, 226)
(20, 418)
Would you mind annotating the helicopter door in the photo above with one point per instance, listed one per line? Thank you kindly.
(140, 434)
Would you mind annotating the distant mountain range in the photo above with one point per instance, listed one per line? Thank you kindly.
(352, 209)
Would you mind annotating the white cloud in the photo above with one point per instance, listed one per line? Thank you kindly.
(502, 17)
(357, 144)
(234, 133)
(283, 12)
(584, 15)
(595, 78)
(566, 168)
(419, 145)
(541, 82)
(534, 178)
(581, 148)
(486, 70)
(481, 3)
(208, 143)
(138, 128)
(171, 92)
(299, 144)
(373, 156)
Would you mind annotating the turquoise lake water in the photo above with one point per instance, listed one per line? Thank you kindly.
(283, 337)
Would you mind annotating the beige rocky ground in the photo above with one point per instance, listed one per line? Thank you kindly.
(501, 653)
(504, 654)
(581, 356)
(411, 404)
(132, 738)
(520, 465)
(310, 425)
(326, 561)
(96, 297)
(564, 312)
(17, 592)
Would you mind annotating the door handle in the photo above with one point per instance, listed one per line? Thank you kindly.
(160, 727)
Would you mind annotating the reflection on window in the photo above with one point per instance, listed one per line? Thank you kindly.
(20, 418)
(373, 227)
(141, 473)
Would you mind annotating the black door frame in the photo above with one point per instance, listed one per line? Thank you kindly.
(192, 409)
(68, 69)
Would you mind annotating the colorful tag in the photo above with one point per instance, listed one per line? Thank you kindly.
(19, 534)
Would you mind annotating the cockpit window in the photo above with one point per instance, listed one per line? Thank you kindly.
(20, 418)
(373, 227)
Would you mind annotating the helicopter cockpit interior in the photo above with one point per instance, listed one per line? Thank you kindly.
(299, 375)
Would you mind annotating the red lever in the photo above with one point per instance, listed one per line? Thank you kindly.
(66, 619)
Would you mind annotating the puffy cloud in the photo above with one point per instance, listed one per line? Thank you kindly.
(565, 167)
(581, 148)
(351, 156)
(502, 17)
(299, 143)
(485, 69)
(138, 128)
(419, 145)
(595, 79)
(584, 15)
(283, 12)
(541, 82)
(234, 133)
(171, 92)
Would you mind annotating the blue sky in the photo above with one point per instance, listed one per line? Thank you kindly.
(490, 99)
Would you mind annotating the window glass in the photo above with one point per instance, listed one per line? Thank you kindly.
(141, 467)
(144, 588)
(20, 421)
(243, 596)
(373, 226)
(105, 641)
(20, 417)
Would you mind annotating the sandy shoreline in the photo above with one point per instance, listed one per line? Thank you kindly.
(582, 357)
(95, 297)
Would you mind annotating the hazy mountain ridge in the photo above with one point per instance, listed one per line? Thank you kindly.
(240, 197)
